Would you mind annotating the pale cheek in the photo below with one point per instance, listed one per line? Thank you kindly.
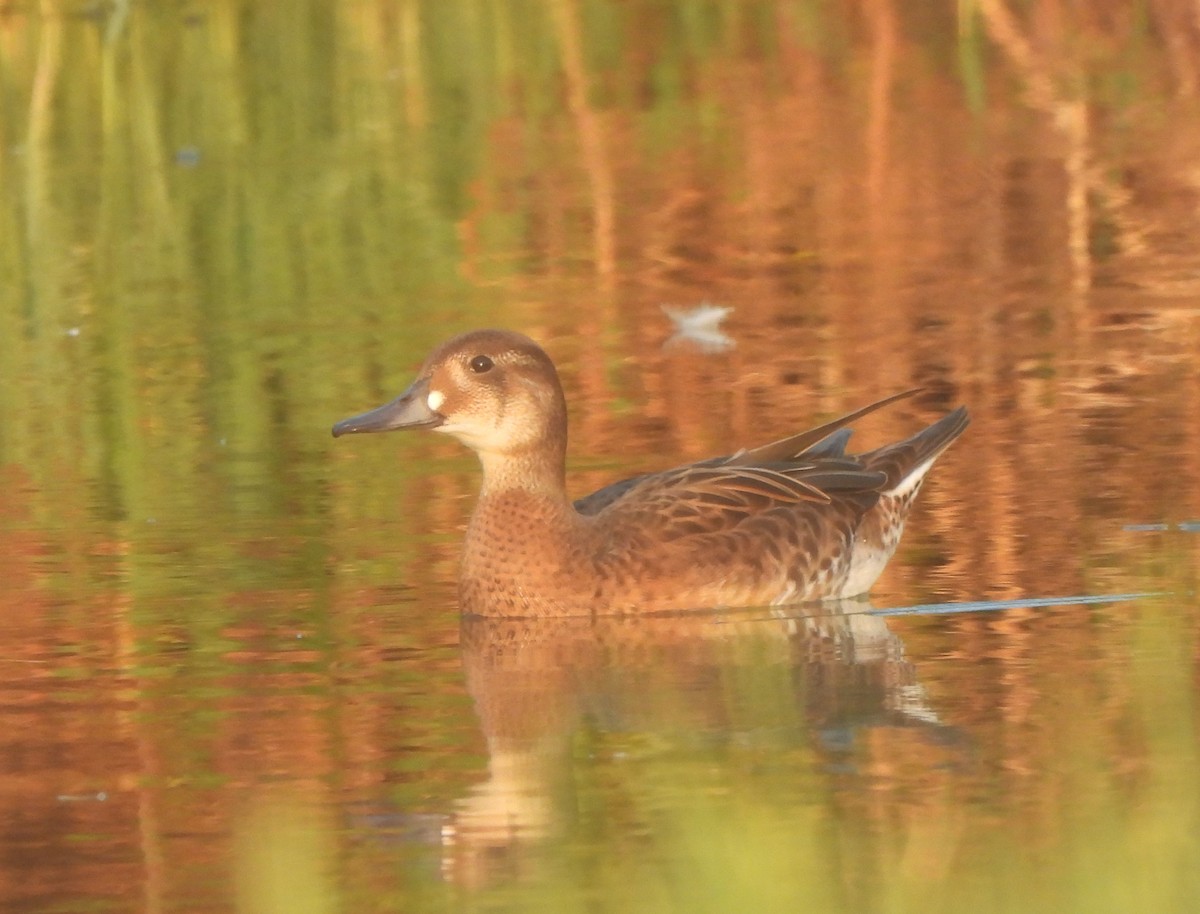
(476, 437)
(435, 400)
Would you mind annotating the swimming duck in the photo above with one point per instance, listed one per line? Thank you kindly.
(793, 521)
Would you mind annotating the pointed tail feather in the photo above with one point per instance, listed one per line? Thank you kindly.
(820, 440)
(906, 462)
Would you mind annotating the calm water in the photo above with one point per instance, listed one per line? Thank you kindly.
(232, 671)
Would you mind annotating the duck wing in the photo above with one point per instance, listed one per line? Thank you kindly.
(804, 467)
(832, 436)
(707, 499)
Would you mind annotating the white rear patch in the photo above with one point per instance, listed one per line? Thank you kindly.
(910, 482)
(435, 399)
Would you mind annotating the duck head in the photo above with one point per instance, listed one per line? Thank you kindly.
(494, 390)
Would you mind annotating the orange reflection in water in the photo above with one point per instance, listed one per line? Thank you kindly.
(1033, 256)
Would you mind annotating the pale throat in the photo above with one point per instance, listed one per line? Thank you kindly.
(538, 471)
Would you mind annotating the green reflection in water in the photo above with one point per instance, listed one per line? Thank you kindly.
(215, 220)
(224, 225)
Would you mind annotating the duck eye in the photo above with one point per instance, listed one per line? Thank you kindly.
(480, 364)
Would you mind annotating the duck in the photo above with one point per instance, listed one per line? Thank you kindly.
(797, 520)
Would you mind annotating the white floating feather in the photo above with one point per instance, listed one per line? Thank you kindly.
(699, 327)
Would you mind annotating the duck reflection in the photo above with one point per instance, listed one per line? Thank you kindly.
(769, 678)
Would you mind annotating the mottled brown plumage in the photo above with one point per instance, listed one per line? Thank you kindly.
(795, 520)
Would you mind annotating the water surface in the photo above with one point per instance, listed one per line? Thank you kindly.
(233, 675)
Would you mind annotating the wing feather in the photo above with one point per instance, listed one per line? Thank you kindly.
(720, 493)
(826, 441)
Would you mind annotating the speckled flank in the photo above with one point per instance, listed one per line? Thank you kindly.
(794, 520)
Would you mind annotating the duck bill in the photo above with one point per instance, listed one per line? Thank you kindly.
(409, 410)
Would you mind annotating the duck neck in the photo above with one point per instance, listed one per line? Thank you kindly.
(538, 472)
(521, 546)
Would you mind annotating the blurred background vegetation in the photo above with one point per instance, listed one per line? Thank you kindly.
(226, 224)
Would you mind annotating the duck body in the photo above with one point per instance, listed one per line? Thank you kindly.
(793, 521)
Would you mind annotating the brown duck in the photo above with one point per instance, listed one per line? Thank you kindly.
(792, 521)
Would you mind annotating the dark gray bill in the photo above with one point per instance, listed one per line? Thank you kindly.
(409, 410)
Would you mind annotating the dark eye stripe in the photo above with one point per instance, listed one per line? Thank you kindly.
(480, 364)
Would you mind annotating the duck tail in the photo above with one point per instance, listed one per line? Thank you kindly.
(905, 463)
